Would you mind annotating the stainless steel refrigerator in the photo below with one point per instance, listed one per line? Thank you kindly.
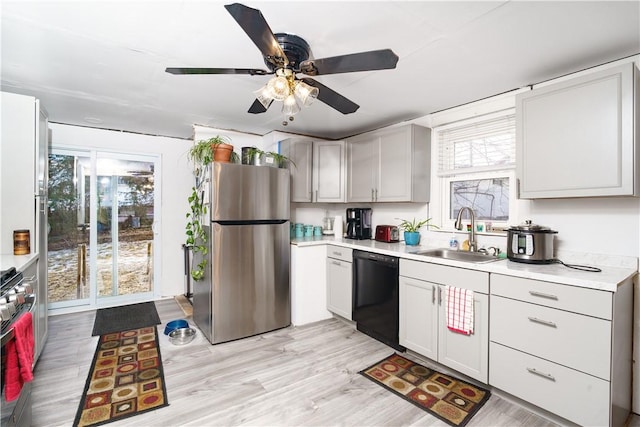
(245, 290)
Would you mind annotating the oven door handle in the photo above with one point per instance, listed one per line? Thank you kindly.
(10, 334)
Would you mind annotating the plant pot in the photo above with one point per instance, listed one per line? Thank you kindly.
(222, 152)
(247, 155)
(411, 238)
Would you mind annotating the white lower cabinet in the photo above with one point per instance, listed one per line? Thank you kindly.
(308, 282)
(563, 348)
(423, 326)
(339, 281)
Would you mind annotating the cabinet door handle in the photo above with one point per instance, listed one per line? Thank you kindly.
(336, 263)
(376, 199)
(372, 199)
(543, 322)
(439, 295)
(543, 295)
(433, 294)
(542, 374)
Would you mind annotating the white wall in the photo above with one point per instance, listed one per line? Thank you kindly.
(176, 180)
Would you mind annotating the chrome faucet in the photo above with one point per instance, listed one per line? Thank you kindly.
(473, 245)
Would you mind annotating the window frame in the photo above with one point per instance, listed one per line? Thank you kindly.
(473, 113)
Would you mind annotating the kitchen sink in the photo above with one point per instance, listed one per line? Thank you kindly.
(474, 257)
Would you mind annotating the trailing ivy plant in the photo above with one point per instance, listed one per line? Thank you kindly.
(196, 237)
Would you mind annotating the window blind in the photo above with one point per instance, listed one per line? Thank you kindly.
(477, 146)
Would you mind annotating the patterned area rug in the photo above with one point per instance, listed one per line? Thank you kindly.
(125, 378)
(446, 397)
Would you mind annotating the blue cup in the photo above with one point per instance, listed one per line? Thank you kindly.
(317, 231)
(308, 230)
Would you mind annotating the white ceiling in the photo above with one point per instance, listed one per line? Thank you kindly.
(101, 63)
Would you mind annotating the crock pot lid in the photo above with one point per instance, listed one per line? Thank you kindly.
(529, 226)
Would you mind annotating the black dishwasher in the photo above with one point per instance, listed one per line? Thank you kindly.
(375, 296)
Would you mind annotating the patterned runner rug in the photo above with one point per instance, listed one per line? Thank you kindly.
(125, 379)
(446, 397)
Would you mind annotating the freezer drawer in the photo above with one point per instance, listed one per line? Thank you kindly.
(248, 278)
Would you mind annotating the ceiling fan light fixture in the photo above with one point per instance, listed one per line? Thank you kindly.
(290, 106)
(305, 93)
(264, 96)
(279, 87)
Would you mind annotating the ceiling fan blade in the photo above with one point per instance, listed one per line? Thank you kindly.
(257, 107)
(250, 71)
(383, 59)
(332, 98)
(256, 27)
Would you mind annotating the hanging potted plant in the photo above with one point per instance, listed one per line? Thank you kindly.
(411, 230)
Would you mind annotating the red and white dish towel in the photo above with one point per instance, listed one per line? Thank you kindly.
(460, 310)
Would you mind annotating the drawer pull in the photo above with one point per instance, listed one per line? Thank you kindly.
(543, 295)
(542, 374)
(337, 253)
(336, 263)
(543, 322)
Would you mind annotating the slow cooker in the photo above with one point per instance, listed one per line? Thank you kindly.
(530, 243)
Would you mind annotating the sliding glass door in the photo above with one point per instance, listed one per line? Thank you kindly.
(102, 214)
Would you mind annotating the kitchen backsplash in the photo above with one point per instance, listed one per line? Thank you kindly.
(388, 213)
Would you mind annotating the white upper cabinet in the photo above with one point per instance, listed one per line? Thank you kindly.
(329, 176)
(391, 165)
(300, 154)
(318, 171)
(576, 138)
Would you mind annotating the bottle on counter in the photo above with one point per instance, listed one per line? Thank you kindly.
(453, 242)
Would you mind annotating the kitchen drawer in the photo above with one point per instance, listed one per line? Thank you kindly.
(573, 395)
(339, 252)
(477, 281)
(574, 340)
(573, 298)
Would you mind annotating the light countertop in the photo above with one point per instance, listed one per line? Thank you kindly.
(607, 280)
(20, 262)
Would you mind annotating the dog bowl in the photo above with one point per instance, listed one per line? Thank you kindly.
(182, 336)
(175, 324)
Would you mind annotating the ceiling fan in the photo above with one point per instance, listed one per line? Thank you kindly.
(287, 55)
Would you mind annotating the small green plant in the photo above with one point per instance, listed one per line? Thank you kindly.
(414, 226)
(196, 237)
(280, 159)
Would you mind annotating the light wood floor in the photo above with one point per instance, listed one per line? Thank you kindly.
(295, 376)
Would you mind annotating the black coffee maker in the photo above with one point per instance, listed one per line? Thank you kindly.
(358, 223)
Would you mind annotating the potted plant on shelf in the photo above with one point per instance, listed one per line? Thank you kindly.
(411, 230)
(216, 149)
(257, 157)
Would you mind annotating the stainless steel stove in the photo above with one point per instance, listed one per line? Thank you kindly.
(16, 299)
